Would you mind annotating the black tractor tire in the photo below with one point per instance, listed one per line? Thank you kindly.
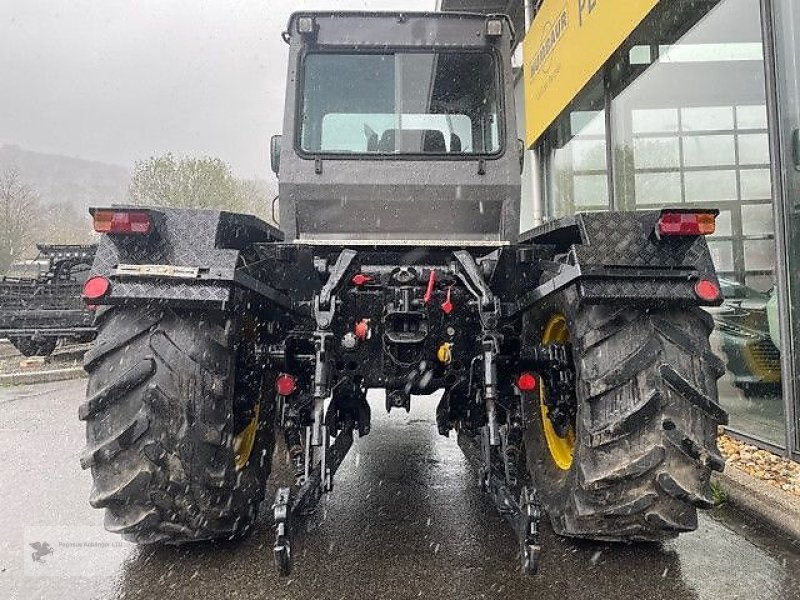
(29, 346)
(160, 425)
(646, 424)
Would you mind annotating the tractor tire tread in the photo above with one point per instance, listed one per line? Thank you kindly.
(647, 425)
(159, 436)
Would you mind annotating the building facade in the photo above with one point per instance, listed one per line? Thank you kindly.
(646, 104)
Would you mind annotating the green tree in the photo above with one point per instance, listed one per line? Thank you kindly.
(185, 182)
(19, 214)
(257, 197)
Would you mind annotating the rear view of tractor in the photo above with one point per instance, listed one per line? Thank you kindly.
(573, 360)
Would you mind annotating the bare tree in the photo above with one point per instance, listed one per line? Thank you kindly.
(63, 223)
(19, 208)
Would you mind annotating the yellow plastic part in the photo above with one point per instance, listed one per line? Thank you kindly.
(244, 442)
(561, 449)
(445, 353)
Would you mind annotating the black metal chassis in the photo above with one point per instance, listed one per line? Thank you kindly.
(608, 257)
(345, 318)
(76, 324)
(33, 310)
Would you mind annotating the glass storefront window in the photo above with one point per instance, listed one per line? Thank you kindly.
(786, 27)
(681, 113)
(577, 143)
(688, 125)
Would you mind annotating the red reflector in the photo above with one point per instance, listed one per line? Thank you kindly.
(707, 290)
(285, 384)
(95, 288)
(686, 223)
(135, 222)
(526, 382)
(361, 279)
(362, 329)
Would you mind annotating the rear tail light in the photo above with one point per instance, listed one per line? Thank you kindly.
(123, 222)
(306, 25)
(95, 288)
(686, 223)
(360, 279)
(494, 27)
(526, 382)
(285, 384)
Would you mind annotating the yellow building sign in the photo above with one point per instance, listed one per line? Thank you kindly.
(567, 44)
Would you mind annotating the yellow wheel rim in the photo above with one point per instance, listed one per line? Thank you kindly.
(244, 442)
(561, 448)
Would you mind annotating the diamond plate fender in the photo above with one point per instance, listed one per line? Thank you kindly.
(618, 257)
(211, 241)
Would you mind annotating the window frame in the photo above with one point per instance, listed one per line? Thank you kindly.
(499, 81)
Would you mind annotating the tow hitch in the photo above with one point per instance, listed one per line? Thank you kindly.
(519, 505)
(299, 500)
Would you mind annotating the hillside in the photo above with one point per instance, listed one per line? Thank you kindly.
(65, 187)
(62, 180)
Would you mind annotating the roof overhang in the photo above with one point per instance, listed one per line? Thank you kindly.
(515, 9)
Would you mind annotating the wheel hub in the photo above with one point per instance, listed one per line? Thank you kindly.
(244, 442)
(557, 423)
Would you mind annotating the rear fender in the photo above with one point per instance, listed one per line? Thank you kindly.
(189, 257)
(618, 257)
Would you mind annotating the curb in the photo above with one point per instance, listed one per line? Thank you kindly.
(42, 376)
(762, 501)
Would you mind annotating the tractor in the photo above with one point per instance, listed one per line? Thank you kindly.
(572, 360)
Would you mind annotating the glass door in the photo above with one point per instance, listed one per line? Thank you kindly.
(689, 127)
(784, 23)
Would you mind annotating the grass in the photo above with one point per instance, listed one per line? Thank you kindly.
(718, 495)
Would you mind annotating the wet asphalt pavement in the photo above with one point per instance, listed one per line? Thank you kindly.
(406, 520)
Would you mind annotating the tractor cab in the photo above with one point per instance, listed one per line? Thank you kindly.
(399, 127)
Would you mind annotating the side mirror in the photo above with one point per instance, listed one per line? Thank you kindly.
(521, 151)
(275, 153)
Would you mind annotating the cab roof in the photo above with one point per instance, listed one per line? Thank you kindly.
(380, 28)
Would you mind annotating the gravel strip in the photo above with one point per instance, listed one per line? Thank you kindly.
(775, 470)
